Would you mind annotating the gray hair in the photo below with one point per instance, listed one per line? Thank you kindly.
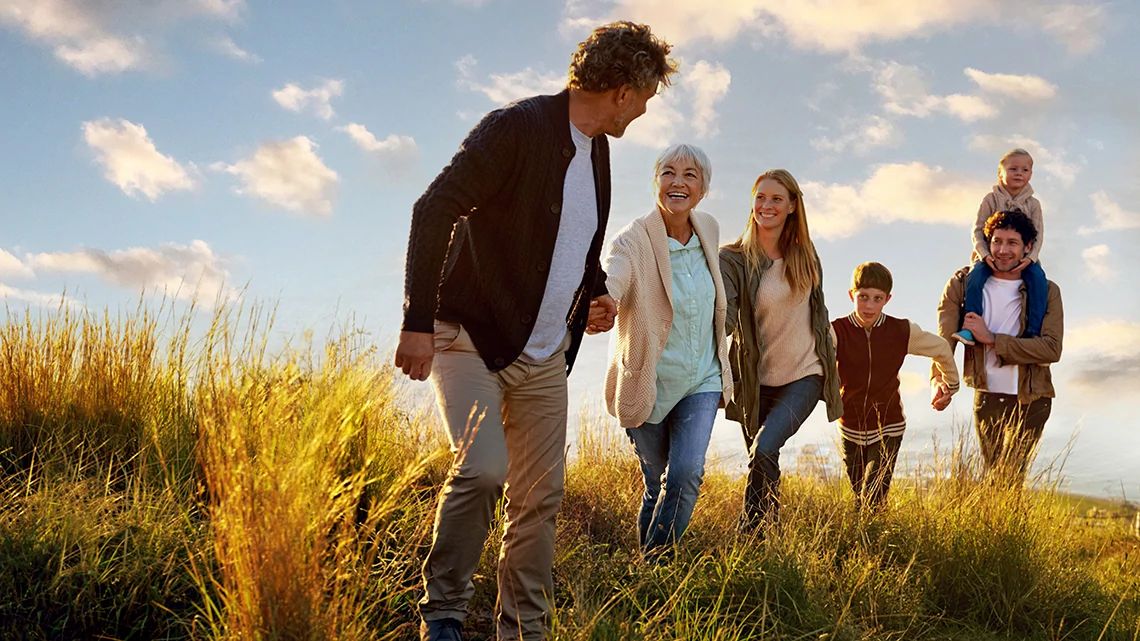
(681, 152)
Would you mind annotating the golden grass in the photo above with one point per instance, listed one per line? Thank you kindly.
(165, 479)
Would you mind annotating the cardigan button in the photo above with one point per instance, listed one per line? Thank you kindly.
(540, 268)
(526, 319)
(555, 208)
(567, 152)
(499, 362)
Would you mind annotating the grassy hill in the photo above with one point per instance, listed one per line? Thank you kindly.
(163, 483)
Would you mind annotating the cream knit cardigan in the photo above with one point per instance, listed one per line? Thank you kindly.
(640, 277)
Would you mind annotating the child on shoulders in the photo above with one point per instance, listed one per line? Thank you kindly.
(1011, 193)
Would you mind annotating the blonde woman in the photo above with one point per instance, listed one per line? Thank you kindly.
(782, 355)
(669, 370)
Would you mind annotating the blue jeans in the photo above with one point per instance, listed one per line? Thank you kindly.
(782, 410)
(672, 453)
(1036, 294)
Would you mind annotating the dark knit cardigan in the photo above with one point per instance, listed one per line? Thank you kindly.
(482, 235)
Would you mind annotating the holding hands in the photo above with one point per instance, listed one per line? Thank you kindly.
(940, 396)
(603, 310)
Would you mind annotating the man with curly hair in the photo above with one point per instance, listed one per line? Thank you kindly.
(502, 279)
(1013, 389)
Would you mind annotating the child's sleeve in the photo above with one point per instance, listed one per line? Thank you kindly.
(923, 343)
(985, 210)
(1038, 218)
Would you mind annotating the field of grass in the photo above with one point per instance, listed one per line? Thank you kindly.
(160, 482)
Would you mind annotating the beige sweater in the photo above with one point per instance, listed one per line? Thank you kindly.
(784, 321)
(1000, 200)
(639, 276)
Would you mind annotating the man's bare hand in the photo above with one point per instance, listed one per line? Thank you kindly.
(414, 354)
(603, 310)
(977, 326)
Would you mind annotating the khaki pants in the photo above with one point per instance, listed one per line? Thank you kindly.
(508, 432)
(1008, 432)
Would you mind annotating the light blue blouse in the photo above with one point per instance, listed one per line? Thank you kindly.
(689, 363)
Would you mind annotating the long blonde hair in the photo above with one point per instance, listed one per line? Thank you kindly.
(800, 262)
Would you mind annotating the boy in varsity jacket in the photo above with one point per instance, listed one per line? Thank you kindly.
(870, 348)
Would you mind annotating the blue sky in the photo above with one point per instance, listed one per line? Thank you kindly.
(272, 152)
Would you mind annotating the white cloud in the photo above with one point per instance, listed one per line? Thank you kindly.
(226, 46)
(13, 266)
(1020, 87)
(1097, 264)
(859, 136)
(707, 83)
(76, 33)
(1051, 161)
(660, 123)
(9, 294)
(131, 161)
(826, 25)
(289, 174)
(397, 152)
(912, 192)
(1106, 355)
(904, 91)
(225, 9)
(829, 25)
(1077, 26)
(318, 99)
(690, 103)
(188, 272)
(89, 36)
(1110, 216)
(504, 88)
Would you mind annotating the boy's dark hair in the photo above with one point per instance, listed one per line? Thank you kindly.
(620, 53)
(873, 275)
(1012, 219)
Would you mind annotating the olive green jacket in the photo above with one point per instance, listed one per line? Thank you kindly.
(740, 287)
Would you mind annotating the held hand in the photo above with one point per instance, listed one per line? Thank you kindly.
(975, 324)
(414, 354)
(940, 398)
(603, 310)
(990, 262)
(1021, 265)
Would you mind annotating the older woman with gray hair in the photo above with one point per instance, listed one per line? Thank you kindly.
(669, 369)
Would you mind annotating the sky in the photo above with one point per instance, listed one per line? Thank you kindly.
(271, 152)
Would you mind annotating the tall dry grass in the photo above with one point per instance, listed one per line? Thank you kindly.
(172, 476)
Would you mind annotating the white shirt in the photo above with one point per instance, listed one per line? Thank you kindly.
(1002, 315)
(576, 227)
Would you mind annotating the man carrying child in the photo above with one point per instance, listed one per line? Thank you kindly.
(1008, 370)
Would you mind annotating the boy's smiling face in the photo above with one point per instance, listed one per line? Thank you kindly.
(869, 302)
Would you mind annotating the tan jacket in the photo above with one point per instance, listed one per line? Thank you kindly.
(640, 276)
(1032, 355)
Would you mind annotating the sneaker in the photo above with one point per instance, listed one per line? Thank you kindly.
(964, 336)
(448, 629)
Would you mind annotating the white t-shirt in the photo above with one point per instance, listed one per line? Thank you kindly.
(576, 227)
(1002, 315)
